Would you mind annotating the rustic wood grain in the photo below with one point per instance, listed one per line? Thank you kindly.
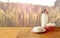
(25, 32)
(9, 32)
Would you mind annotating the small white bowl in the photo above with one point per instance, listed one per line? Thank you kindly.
(38, 29)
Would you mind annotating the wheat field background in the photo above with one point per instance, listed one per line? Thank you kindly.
(15, 15)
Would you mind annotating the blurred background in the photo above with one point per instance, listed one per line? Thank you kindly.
(27, 13)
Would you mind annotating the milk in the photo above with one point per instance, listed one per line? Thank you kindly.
(44, 19)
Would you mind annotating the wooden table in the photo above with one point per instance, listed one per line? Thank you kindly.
(9, 32)
(25, 32)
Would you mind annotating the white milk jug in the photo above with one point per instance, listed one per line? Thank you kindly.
(44, 19)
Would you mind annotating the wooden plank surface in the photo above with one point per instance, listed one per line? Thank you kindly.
(25, 32)
(9, 32)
